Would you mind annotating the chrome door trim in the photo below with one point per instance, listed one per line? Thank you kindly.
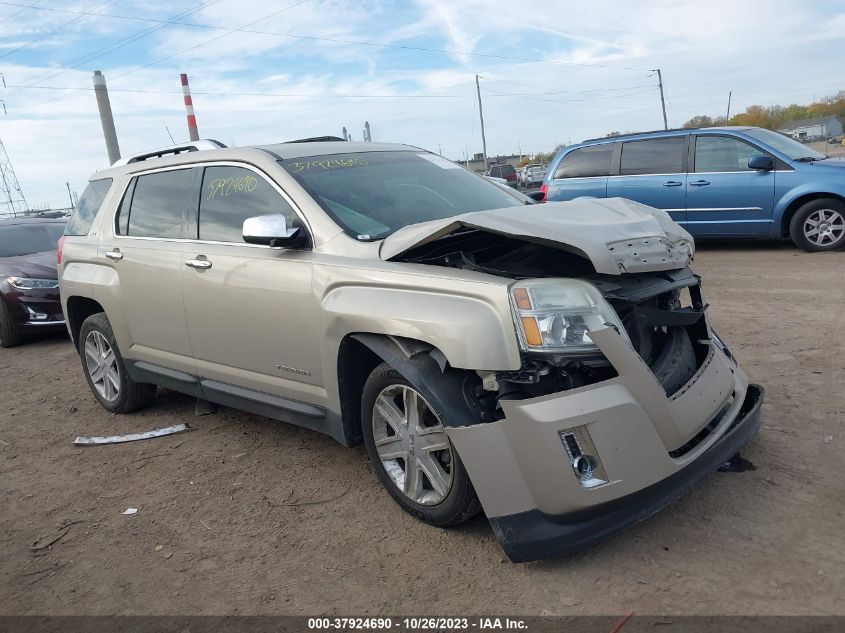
(753, 209)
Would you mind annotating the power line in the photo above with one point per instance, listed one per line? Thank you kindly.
(591, 90)
(56, 30)
(213, 39)
(250, 94)
(424, 49)
(17, 13)
(114, 46)
(600, 98)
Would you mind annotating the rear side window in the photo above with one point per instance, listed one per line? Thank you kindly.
(585, 162)
(720, 153)
(230, 195)
(653, 156)
(154, 205)
(88, 207)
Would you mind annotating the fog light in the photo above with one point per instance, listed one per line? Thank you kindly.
(583, 457)
(35, 314)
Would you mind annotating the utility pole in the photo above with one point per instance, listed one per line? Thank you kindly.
(662, 99)
(70, 195)
(481, 115)
(106, 118)
(728, 115)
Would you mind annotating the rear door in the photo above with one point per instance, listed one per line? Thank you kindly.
(581, 172)
(724, 196)
(144, 247)
(653, 171)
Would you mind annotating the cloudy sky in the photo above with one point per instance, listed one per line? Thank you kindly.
(261, 72)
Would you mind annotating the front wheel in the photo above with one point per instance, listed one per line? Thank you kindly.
(819, 225)
(9, 335)
(410, 452)
(105, 370)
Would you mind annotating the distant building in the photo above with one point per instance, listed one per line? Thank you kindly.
(818, 127)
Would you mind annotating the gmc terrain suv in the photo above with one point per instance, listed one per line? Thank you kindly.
(551, 364)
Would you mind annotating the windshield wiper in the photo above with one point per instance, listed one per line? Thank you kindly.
(810, 159)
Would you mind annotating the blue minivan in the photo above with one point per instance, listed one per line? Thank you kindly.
(724, 182)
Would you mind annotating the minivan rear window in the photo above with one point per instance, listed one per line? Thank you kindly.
(653, 156)
(586, 162)
(88, 207)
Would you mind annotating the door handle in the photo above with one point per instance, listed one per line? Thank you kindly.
(699, 183)
(202, 264)
(115, 254)
(672, 183)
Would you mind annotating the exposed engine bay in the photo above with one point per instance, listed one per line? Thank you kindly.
(662, 313)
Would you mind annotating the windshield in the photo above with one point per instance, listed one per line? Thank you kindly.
(25, 239)
(373, 194)
(785, 145)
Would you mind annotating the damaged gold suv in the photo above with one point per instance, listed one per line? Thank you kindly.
(550, 364)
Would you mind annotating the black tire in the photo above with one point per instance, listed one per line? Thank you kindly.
(131, 395)
(9, 335)
(461, 503)
(797, 225)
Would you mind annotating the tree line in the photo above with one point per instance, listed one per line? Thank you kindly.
(774, 117)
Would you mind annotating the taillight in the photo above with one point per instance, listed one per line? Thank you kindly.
(59, 250)
(544, 189)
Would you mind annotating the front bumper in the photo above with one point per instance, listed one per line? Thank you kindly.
(533, 535)
(34, 310)
(652, 448)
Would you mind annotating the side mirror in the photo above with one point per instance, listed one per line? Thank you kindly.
(761, 162)
(270, 230)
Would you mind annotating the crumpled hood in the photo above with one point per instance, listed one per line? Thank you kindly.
(616, 235)
(38, 265)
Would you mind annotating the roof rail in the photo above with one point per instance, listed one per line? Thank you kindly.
(629, 134)
(317, 139)
(170, 150)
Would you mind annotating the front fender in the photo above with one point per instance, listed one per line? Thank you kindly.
(816, 188)
(472, 333)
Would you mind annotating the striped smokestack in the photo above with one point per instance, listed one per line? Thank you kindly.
(193, 133)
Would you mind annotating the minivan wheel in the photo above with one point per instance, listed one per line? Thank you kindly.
(819, 225)
(105, 370)
(410, 452)
(9, 336)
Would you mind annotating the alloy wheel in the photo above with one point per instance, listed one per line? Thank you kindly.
(412, 445)
(102, 367)
(824, 227)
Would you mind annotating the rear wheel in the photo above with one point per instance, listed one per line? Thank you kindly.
(9, 335)
(410, 452)
(105, 370)
(819, 225)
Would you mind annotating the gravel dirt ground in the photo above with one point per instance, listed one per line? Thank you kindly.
(243, 515)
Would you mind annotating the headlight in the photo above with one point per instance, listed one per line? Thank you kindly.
(554, 315)
(30, 283)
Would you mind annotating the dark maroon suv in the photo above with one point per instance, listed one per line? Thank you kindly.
(29, 287)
